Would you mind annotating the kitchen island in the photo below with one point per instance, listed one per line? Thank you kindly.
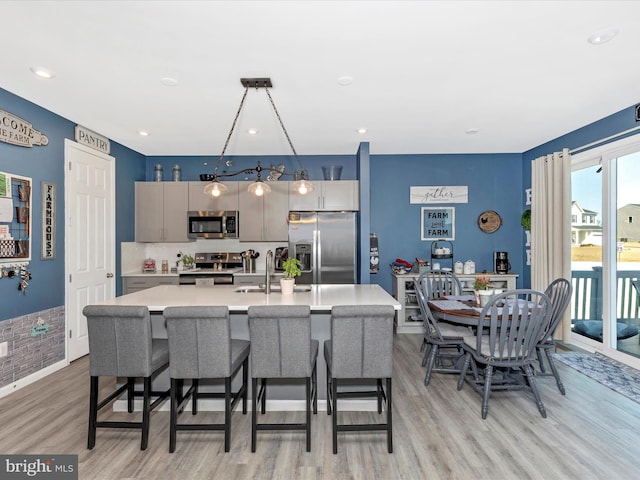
(320, 298)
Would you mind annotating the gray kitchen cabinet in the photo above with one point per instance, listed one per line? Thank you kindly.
(264, 219)
(199, 201)
(327, 195)
(161, 211)
(136, 283)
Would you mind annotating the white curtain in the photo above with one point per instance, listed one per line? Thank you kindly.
(551, 225)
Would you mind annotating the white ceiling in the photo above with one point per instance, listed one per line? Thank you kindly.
(424, 72)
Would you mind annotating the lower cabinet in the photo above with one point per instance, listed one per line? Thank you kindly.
(137, 283)
(409, 318)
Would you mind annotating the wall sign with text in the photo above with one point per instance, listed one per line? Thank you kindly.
(437, 223)
(441, 194)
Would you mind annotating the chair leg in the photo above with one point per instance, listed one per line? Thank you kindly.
(227, 413)
(130, 394)
(264, 396)
(329, 391)
(307, 382)
(314, 386)
(528, 369)
(254, 412)
(488, 373)
(427, 352)
(245, 384)
(540, 359)
(146, 395)
(379, 393)
(93, 412)
(463, 370)
(194, 396)
(389, 418)
(430, 363)
(334, 395)
(554, 369)
(173, 417)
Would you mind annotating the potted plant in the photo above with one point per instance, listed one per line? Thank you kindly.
(291, 269)
(483, 290)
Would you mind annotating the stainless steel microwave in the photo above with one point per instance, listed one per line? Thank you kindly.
(220, 224)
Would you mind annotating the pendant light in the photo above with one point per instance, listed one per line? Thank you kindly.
(215, 188)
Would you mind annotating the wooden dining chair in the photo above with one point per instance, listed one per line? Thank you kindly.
(559, 292)
(443, 341)
(509, 328)
(436, 284)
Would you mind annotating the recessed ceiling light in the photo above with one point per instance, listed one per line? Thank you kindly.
(471, 131)
(253, 131)
(168, 81)
(143, 133)
(345, 80)
(602, 36)
(362, 130)
(42, 72)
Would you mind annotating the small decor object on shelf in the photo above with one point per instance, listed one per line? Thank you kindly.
(291, 269)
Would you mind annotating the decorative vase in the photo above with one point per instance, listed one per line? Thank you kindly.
(286, 285)
(484, 296)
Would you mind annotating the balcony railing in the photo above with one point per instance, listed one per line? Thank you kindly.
(586, 303)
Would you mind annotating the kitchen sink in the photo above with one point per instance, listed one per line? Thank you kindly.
(274, 288)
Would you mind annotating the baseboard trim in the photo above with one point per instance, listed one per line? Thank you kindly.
(34, 377)
(217, 405)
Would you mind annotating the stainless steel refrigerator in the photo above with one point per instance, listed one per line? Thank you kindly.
(325, 245)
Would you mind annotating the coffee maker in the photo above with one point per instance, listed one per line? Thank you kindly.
(501, 262)
(282, 253)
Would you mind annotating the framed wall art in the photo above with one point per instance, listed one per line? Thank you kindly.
(437, 223)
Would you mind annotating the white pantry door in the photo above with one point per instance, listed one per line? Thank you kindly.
(89, 238)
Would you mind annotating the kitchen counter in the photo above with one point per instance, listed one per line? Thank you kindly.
(321, 297)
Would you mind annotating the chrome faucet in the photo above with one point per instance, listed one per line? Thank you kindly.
(267, 275)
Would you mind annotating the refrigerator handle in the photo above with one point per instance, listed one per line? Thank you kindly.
(318, 259)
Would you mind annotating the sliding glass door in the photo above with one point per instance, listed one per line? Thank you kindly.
(627, 255)
(605, 226)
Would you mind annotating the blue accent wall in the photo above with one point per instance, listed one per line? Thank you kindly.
(493, 180)
(46, 163)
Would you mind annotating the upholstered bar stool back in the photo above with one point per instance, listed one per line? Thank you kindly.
(281, 347)
(201, 347)
(361, 346)
(120, 345)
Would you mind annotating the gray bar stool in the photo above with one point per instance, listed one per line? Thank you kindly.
(281, 347)
(201, 347)
(120, 345)
(361, 346)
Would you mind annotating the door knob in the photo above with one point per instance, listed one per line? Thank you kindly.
(109, 275)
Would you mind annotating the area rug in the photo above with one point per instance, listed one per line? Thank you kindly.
(611, 373)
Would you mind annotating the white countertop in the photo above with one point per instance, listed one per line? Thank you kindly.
(321, 298)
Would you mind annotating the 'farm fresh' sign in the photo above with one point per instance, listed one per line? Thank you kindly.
(16, 131)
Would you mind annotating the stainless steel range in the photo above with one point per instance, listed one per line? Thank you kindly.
(213, 269)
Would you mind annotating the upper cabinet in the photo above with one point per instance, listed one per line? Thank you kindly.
(264, 219)
(161, 211)
(327, 195)
(198, 201)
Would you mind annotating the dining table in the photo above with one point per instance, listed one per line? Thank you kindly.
(458, 309)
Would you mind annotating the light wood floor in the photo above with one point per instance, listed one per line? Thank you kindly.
(591, 433)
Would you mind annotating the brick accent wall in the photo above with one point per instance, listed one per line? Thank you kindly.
(28, 354)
